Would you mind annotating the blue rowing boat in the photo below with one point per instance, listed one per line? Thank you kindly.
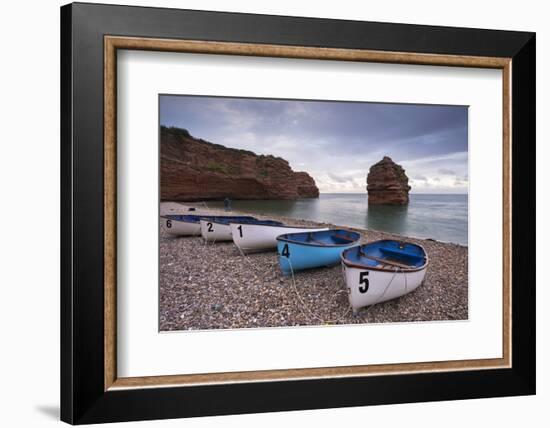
(261, 236)
(383, 270)
(307, 250)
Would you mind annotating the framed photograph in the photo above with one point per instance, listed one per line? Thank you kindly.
(265, 213)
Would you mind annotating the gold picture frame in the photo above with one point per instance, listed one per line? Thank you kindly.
(114, 43)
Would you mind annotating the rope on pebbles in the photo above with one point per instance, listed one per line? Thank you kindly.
(306, 308)
(396, 271)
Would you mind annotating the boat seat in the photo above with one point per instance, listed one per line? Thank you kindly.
(311, 239)
(391, 263)
(318, 242)
(344, 237)
(400, 252)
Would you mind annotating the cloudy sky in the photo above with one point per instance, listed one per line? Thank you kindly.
(336, 142)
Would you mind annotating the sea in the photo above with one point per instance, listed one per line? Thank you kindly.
(443, 217)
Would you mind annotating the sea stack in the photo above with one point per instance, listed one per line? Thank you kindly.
(387, 183)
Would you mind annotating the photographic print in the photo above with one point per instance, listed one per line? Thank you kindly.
(289, 213)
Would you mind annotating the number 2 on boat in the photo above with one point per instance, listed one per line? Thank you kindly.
(363, 280)
(209, 227)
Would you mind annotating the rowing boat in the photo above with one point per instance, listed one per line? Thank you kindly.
(307, 250)
(218, 228)
(261, 236)
(181, 225)
(382, 270)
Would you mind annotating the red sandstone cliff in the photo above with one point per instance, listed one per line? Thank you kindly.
(192, 169)
(387, 183)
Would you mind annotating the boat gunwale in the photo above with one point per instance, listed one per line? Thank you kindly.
(375, 268)
(316, 244)
(165, 216)
(211, 220)
(258, 223)
(286, 226)
(176, 219)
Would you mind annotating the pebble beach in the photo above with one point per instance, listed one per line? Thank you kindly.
(207, 286)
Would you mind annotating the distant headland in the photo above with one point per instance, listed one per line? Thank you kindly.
(192, 169)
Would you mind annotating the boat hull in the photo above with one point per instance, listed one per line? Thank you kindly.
(369, 286)
(257, 237)
(294, 256)
(212, 231)
(180, 227)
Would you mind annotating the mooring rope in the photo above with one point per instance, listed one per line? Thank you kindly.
(248, 260)
(397, 270)
(306, 307)
(205, 242)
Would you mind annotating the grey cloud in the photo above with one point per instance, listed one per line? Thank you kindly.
(339, 178)
(445, 171)
(331, 138)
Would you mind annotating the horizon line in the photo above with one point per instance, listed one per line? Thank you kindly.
(412, 193)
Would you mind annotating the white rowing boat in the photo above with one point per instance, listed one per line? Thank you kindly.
(218, 229)
(382, 270)
(251, 236)
(181, 225)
